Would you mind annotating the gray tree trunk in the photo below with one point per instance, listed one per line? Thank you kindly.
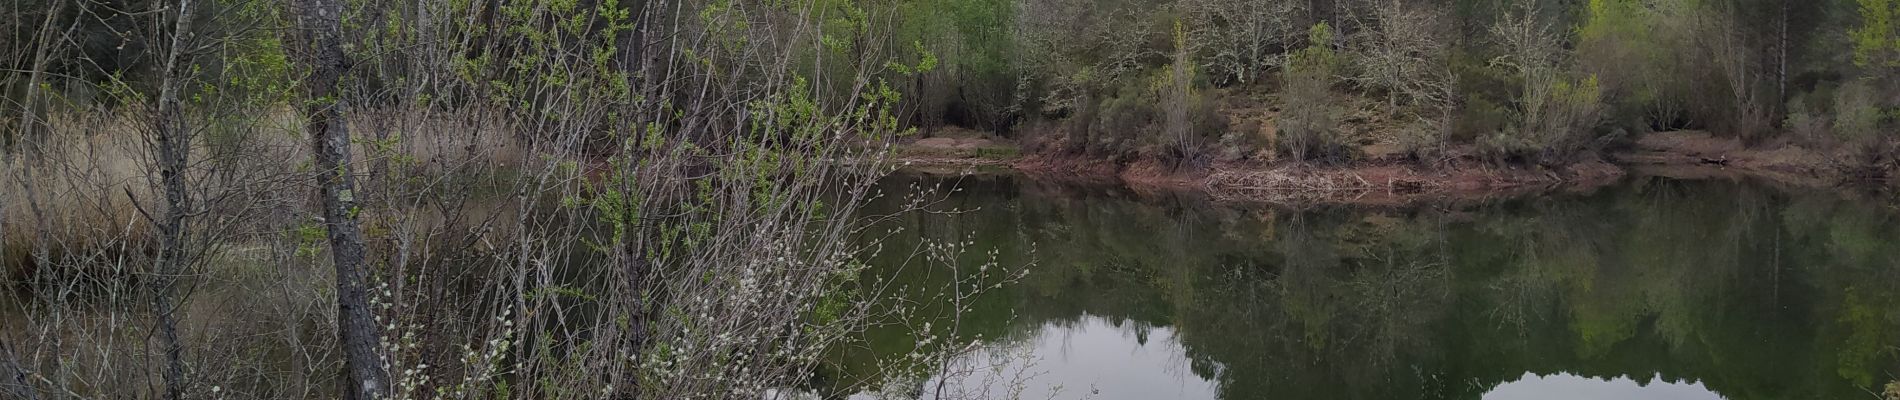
(174, 152)
(34, 117)
(1781, 64)
(26, 142)
(13, 377)
(318, 27)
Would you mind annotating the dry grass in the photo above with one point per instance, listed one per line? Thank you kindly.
(75, 240)
(74, 192)
(436, 143)
(84, 192)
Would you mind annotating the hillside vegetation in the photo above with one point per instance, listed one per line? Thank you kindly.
(1193, 82)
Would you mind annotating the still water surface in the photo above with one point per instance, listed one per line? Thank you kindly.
(1652, 289)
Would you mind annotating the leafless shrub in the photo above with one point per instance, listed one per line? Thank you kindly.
(1405, 52)
(1556, 114)
(600, 211)
(1240, 40)
(1307, 127)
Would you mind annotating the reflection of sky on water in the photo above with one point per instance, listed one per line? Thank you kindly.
(1090, 358)
(1094, 359)
(1732, 288)
(1572, 387)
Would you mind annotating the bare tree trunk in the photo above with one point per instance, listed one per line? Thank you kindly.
(34, 133)
(13, 381)
(174, 152)
(1180, 93)
(33, 119)
(31, 147)
(1781, 63)
(318, 24)
(30, 124)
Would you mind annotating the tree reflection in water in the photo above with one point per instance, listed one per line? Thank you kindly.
(1748, 291)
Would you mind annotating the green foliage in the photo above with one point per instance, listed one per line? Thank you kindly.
(1806, 121)
(1188, 121)
(254, 71)
(1877, 38)
(1122, 117)
(1555, 113)
(559, 64)
(1862, 124)
(967, 61)
(309, 238)
(926, 63)
(1485, 93)
(1145, 116)
(1857, 112)
(1555, 120)
(1608, 19)
(1869, 337)
(1307, 124)
(1637, 52)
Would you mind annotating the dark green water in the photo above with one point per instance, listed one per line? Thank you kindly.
(1655, 288)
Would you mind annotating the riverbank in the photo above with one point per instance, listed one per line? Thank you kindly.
(1395, 181)
(1701, 155)
(1371, 183)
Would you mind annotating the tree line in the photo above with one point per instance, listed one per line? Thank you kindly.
(1533, 80)
(1525, 80)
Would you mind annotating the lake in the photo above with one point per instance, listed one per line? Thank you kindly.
(1654, 288)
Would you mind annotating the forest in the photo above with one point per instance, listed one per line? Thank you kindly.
(1188, 82)
(1540, 82)
(550, 199)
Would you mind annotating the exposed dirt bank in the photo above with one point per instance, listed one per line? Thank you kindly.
(1697, 154)
(1401, 183)
(1368, 183)
(1686, 155)
(953, 147)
